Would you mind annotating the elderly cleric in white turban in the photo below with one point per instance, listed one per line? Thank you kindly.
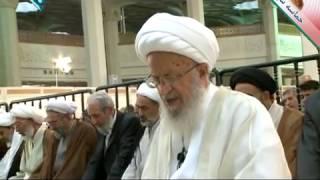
(151, 93)
(180, 35)
(24, 111)
(61, 106)
(6, 119)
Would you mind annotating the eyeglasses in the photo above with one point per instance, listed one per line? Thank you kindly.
(154, 82)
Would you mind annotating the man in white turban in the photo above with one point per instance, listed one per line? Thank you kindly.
(9, 164)
(74, 143)
(205, 131)
(6, 132)
(147, 107)
(29, 123)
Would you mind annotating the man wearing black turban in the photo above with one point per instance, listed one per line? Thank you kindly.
(259, 84)
(255, 82)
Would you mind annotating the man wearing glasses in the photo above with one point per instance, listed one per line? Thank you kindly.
(205, 131)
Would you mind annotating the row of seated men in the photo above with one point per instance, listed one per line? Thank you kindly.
(59, 146)
(107, 145)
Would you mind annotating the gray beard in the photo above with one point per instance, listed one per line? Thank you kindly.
(104, 129)
(60, 131)
(149, 122)
(188, 119)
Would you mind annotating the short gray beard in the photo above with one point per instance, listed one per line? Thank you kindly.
(148, 123)
(184, 122)
(60, 131)
(106, 126)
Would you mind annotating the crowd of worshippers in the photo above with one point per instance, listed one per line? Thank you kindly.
(182, 125)
(100, 145)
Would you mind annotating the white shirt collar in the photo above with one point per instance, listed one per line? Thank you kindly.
(276, 112)
(106, 129)
(113, 120)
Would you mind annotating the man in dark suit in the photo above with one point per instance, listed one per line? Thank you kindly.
(308, 151)
(118, 137)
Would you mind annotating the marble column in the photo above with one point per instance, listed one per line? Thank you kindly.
(270, 24)
(111, 19)
(9, 59)
(92, 18)
(311, 67)
(196, 10)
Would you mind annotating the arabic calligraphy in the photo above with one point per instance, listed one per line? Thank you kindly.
(293, 12)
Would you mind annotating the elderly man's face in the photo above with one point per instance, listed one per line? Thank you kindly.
(178, 76)
(98, 115)
(24, 126)
(56, 120)
(291, 101)
(147, 110)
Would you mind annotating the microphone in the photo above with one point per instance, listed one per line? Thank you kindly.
(181, 156)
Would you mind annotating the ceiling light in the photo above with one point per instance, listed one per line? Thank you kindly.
(63, 64)
(26, 7)
(248, 5)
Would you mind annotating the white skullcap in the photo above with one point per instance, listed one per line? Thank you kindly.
(180, 35)
(24, 111)
(61, 106)
(6, 119)
(151, 93)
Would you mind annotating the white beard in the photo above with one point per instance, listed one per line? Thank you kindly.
(184, 123)
(29, 132)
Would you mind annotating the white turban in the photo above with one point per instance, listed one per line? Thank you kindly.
(151, 93)
(180, 35)
(6, 119)
(24, 111)
(61, 106)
